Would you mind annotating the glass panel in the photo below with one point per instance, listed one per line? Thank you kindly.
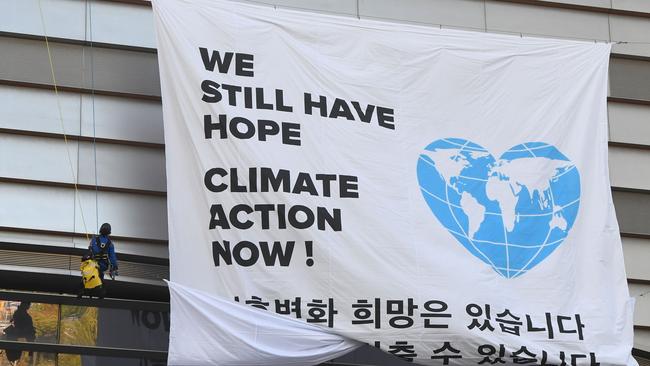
(23, 321)
(84, 360)
(28, 359)
(61, 359)
(632, 211)
(121, 328)
(83, 326)
(133, 329)
(629, 78)
(78, 325)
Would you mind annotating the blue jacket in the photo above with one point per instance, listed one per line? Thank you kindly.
(110, 251)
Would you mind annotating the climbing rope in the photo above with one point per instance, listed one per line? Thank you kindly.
(60, 112)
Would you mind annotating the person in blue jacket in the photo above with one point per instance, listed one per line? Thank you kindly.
(103, 251)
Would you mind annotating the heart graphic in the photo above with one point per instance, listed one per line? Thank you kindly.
(510, 213)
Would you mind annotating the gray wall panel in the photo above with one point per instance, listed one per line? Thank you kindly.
(598, 3)
(632, 5)
(635, 30)
(52, 160)
(38, 158)
(529, 19)
(52, 208)
(629, 168)
(99, 21)
(629, 78)
(114, 70)
(122, 166)
(629, 123)
(131, 215)
(62, 18)
(125, 71)
(37, 110)
(632, 212)
(85, 214)
(116, 118)
(122, 118)
(348, 7)
(120, 23)
(642, 306)
(635, 5)
(36, 207)
(642, 339)
(635, 49)
(29, 62)
(36, 239)
(635, 252)
(459, 13)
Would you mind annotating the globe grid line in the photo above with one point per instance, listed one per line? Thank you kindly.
(566, 171)
(472, 178)
(505, 239)
(458, 223)
(454, 205)
(510, 244)
(464, 147)
(501, 268)
(530, 149)
(499, 214)
(485, 180)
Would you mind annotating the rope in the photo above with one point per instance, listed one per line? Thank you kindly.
(92, 93)
(65, 137)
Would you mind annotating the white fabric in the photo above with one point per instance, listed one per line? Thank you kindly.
(203, 318)
(483, 182)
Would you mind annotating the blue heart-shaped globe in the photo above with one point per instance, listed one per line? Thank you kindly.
(510, 213)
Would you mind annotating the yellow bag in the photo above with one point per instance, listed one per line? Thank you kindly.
(90, 274)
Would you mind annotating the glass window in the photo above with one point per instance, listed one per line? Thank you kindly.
(83, 326)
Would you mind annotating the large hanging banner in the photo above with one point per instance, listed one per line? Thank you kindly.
(440, 194)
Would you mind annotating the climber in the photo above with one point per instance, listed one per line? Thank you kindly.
(103, 251)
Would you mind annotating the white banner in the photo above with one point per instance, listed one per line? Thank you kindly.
(442, 195)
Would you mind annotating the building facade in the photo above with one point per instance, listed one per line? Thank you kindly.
(92, 151)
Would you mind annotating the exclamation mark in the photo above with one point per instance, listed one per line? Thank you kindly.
(310, 253)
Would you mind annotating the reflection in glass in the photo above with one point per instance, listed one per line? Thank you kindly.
(140, 329)
(78, 325)
(121, 328)
(62, 359)
(26, 322)
(84, 360)
(36, 359)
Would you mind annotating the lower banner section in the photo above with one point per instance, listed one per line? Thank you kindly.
(207, 330)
